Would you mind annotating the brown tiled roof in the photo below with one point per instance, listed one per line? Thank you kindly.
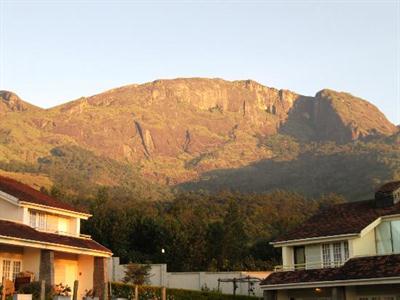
(384, 266)
(389, 187)
(20, 231)
(346, 218)
(25, 193)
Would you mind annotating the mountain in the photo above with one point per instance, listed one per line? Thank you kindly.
(10, 102)
(201, 133)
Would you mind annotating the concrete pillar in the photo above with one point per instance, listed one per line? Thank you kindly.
(100, 278)
(201, 280)
(163, 275)
(46, 271)
(270, 295)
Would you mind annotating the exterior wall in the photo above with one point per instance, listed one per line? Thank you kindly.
(191, 280)
(31, 261)
(10, 211)
(11, 252)
(85, 274)
(65, 268)
(378, 290)
(364, 245)
(348, 293)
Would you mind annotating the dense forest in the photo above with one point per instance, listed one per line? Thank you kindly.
(198, 231)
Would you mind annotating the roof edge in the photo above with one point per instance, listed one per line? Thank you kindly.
(362, 281)
(74, 212)
(312, 239)
(373, 224)
(105, 253)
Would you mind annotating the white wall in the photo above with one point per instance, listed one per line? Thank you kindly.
(85, 274)
(190, 280)
(364, 245)
(31, 261)
(10, 211)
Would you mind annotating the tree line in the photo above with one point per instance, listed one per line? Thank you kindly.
(197, 231)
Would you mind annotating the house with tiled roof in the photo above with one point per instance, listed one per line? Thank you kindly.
(344, 252)
(40, 235)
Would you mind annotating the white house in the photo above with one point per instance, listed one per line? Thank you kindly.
(348, 251)
(40, 234)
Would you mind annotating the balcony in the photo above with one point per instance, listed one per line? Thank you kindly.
(310, 266)
(53, 229)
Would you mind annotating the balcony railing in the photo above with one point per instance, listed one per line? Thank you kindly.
(54, 229)
(309, 266)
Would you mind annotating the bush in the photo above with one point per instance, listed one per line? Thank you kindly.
(178, 294)
(122, 290)
(34, 289)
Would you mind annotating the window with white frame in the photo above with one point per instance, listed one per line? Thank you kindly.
(387, 235)
(337, 253)
(37, 219)
(384, 297)
(334, 254)
(326, 255)
(9, 268)
(16, 269)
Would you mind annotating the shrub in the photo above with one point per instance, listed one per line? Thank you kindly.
(123, 290)
(34, 289)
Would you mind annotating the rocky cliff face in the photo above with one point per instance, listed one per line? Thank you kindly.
(174, 130)
(342, 117)
(10, 102)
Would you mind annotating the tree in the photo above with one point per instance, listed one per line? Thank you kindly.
(137, 274)
(235, 237)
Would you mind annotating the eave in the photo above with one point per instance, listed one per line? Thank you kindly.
(349, 282)
(55, 210)
(51, 246)
(318, 239)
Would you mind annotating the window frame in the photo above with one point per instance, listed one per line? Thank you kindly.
(379, 246)
(331, 262)
(38, 219)
(13, 261)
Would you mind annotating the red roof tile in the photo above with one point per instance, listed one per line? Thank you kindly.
(346, 218)
(25, 193)
(20, 231)
(384, 266)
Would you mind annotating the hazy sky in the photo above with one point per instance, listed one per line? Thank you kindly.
(55, 51)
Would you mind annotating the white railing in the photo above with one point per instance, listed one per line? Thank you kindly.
(309, 266)
(54, 229)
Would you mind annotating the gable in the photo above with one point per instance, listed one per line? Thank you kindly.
(9, 209)
(24, 194)
(346, 219)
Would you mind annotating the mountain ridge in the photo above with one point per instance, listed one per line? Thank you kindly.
(173, 131)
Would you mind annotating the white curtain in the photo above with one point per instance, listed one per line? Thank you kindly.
(383, 238)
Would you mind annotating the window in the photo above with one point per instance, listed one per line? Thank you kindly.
(32, 218)
(387, 237)
(382, 297)
(6, 268)
(346, 250)
(9, 268)
(37, 219)
(16, 269)
(299, 257)
(326, 255)
(335, 254)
